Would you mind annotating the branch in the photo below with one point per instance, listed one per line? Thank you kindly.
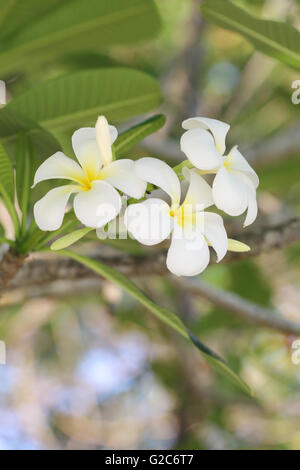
(245, 309)
(10, 265)
(37, 270)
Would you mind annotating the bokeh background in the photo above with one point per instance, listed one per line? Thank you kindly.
(87, 366)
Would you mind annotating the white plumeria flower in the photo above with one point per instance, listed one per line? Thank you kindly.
(152, 221)
(234, 187)
(94, 180)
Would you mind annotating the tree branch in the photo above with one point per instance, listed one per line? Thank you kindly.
(39, 270)
(243, 308)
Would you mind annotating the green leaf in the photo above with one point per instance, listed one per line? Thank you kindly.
(12, 123)
(134, 135)
(6, 175)
(274, 38)
(70, 239)
(17, 14)
(63, 104)
(24, 175)
(7, 188)
(163, 313)
(46, 33)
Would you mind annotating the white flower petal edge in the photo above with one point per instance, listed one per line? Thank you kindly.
(157, 172)
(59, 166)
(188, 254)
(199, 146)
(98, 206)
(219, 129)
(149, 222)
(229, 193)
(87, 151)
(214, 231)
(121, 175)
(50, 210)
(236, 162)
(199, 194)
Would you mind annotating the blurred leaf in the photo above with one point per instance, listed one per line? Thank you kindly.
(6, 176)
(11, 123)
(17, 14)
(24, 174)
(247, 273)
(40, 33)
(281, 176)
(70, 239)
(274, 38)
(134, 135)
(7, 187)
(75, 100)
(167, 316)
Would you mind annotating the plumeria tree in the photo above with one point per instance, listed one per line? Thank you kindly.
(70, 173)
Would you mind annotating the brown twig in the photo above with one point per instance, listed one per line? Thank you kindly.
(243, 308)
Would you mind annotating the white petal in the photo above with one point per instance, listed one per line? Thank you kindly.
(105, 135)
(59, 166)
(99, 205)
(199, 195)
(188, 254)
(121, 175)
(157, 172)
(199, 147)
(218, 129)
(50, 210)
(252, 203)
(236, 162)
(86, 150)
(214, 231)
(149, 222)
(252, 211)
(229, 193)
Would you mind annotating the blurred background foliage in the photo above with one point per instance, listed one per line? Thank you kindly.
(87, 366)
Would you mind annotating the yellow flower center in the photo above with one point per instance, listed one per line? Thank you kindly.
(227, 162)
(183, 215)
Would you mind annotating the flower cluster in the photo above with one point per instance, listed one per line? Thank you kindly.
(175, 207)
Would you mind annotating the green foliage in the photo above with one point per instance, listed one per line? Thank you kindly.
(24, 175)
(6, 176)
(162, 313)
(70, 239)
(66, 103)
(245, 274)
(134, 135)
(12, 123)
(38, 32)
(276, 39)
(7, 189)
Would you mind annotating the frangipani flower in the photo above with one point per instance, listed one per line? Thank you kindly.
(94, 180)
(152, 221)
(234, 187)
